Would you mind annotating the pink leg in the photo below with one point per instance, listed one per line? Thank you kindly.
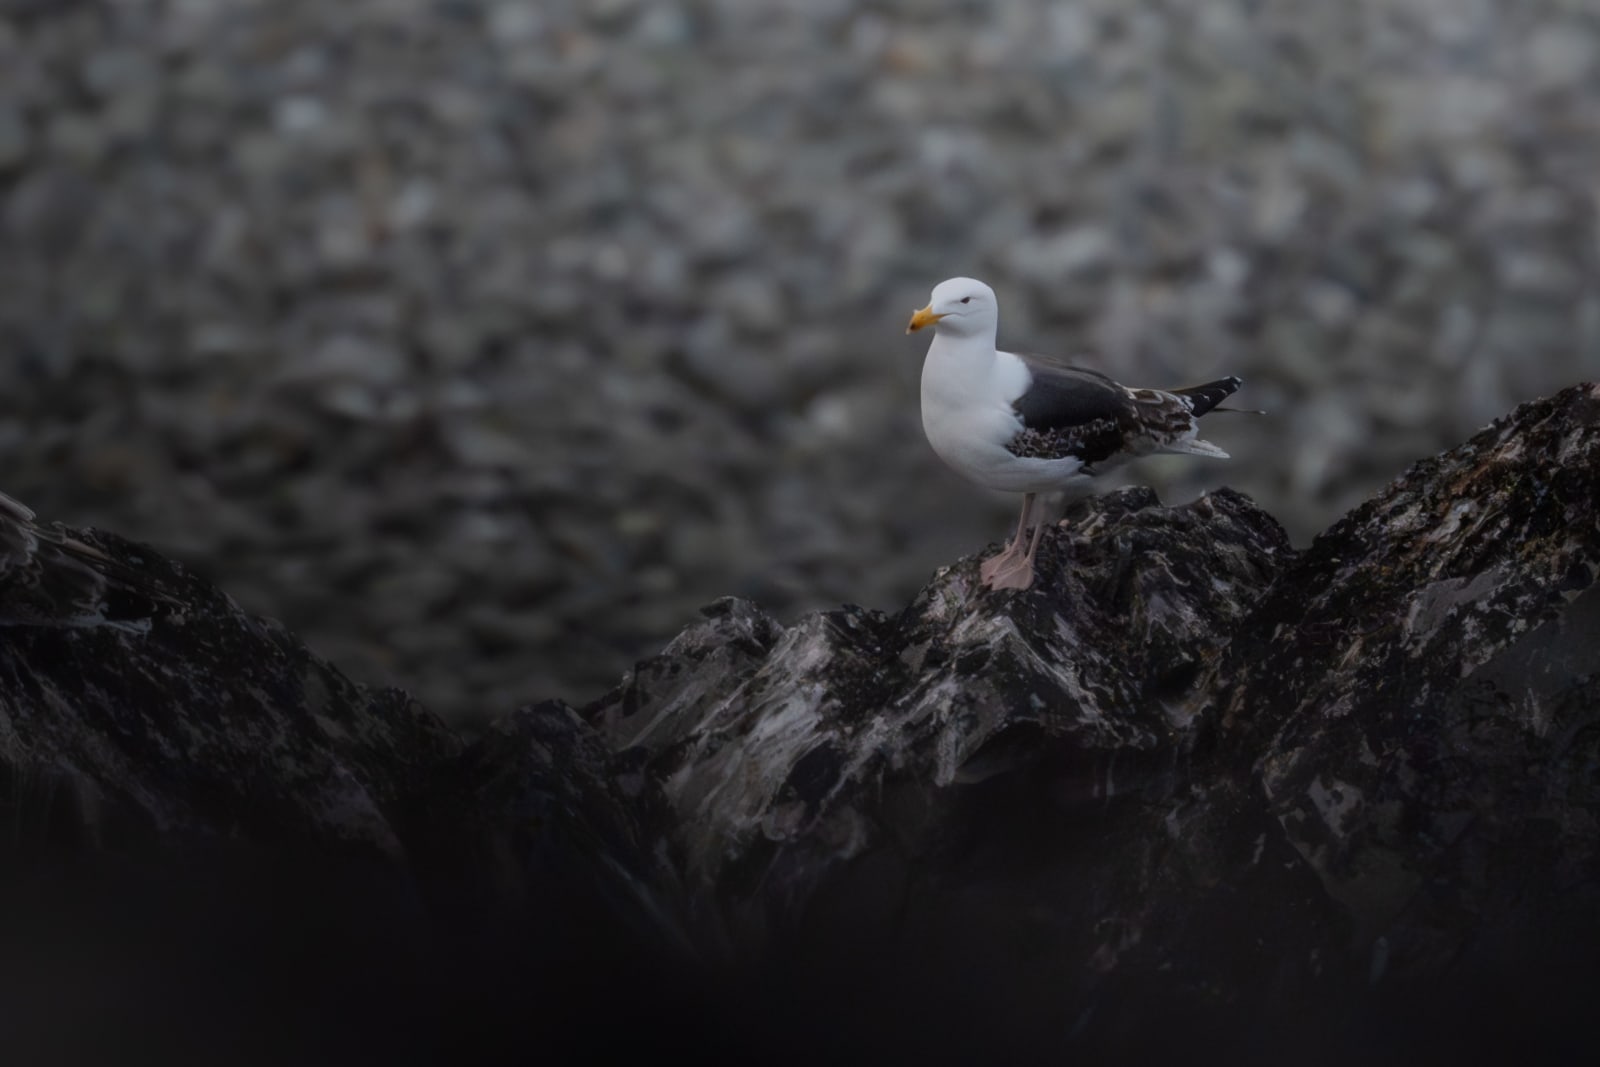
(1019, 573)
(1008, 555)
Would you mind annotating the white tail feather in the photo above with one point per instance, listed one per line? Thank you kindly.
(1193, 446)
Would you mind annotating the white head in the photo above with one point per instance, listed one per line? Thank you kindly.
(964, 307)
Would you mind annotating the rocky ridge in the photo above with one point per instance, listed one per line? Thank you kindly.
(1335, 801)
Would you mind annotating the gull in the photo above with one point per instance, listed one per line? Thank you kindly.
(1028, 424)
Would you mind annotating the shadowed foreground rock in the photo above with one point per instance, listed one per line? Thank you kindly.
(1192, 793)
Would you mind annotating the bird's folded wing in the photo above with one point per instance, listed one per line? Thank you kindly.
(1075, 412)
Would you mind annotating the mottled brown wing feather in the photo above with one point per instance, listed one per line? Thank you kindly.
(1076, 412)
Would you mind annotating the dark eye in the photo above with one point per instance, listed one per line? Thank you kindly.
(966, 300)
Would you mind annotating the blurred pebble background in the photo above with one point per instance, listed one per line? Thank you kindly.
(482, 340)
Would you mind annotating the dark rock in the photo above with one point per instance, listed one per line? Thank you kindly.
(210, 724)
(1428, 733)
(205, 795)
(1194, 794)
(773, 745)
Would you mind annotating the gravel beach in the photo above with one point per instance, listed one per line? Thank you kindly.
(482, 342)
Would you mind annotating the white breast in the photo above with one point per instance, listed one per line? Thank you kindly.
(967, 391)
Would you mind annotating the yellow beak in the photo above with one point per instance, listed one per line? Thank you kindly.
(922, 317)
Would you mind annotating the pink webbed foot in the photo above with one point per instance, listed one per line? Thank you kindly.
(1018, 574)
(996, 564)
(1012, 555)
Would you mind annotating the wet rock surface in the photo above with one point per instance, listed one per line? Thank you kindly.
(1196, 792)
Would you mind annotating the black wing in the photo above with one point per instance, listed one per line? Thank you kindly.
(1204, 398)
(1072, 412)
